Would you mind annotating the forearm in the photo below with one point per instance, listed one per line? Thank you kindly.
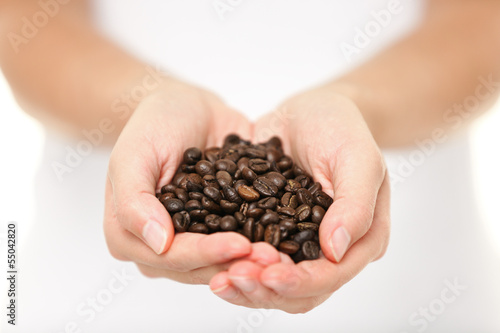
(432, 78)
(68, 75)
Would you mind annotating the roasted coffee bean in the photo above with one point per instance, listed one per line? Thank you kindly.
(292, 185)
(181, 221)
(224, 178)
(158, 195)
(240, 218)
(277, 179)
(170, 188)
(204, 168)
(188, 168)
(231, 194)
(288, 174)
(237, 174)
(259, 166)
(274, 142)
(289, 200)
(210, 205)
(228, 223)
(182, 194)
(286, 211)
(310, 250)
(198, 215)
(248, 193)
(274, 167)
(164, 197)
(273, 155)
(231, 139)
(285, 163)
(226, 165)
(178, 178)
(268, 203)
(318, 213)
(173, 205)
(256, 213)
(304, 180)
(253, 231)
(192, 156)
(255, 153)
(210, 181)
(229, 207)
(244, 208)
(212, 154)
(315, 187)
(193, 183)
(303, 213)
(230, 154)
(304, 197)
(272, 235)
(242, 163)
(195, 196)
(192, 205)
(238, 183)
(297, 171)
(289, 247)
(303, 236)
(248, 174)
(308, 226)
(288, 224)
(200, 228)
(213, 194)
(322, 199)
(269, 217)
(213, 222)
(265, 187)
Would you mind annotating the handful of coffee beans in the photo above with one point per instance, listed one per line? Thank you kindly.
(253, 189)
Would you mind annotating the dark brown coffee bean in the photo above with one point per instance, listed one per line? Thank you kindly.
(204, 168)
(310, 250)
(213, 222)
(315, 187)
(248, 174)
(213, 194)
(322, 199)
(259, 166)
(231, 139)
(178, 178)
(253, 231)
(237, 174)
(288, 224)
(272, 235)
(193, 183)
(242, 163)
(210, 205)
(265, 187)
(226, 165)
(199, 228)
(238, 183)
(181, 221)
(173, 205)
(195, 196)
(192, 156)
(224, 178)
(164, 197)
(286, 211)
(212, 154)
(297, 171)
(268, 203)
(230, 154)
(285, 163)
(256, 153)
(244, 208)
(303, 213)
(274, 142)
(188, 168)
(304, 197)
(256, 213)
(210, 181)
(307, 226)
(276, 178)
(273, 155)
(170, 188)
(303, 236)
(192, 205)
(228, 223)
(198, 215)
(288, 174)
(292, 185)
(240, 218)
(289, 247)
(231, 194)
(182, 194)
(248, 193)
(317, 214)
(289, 200)
(304, 180)
(158, 195)
(229, 207)
(269, 217)
(274, 167)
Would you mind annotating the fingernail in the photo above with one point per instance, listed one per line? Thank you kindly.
(155, 236)
(339, 242)
(226, 292)
(245, 284)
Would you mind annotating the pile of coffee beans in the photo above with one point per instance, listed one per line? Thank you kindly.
(253, 189)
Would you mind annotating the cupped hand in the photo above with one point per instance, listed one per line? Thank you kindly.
(146, 156)
(325, 133)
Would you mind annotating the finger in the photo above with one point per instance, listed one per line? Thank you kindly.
(317, 277)
(201, 275)
(264, 254)
(356, 184)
